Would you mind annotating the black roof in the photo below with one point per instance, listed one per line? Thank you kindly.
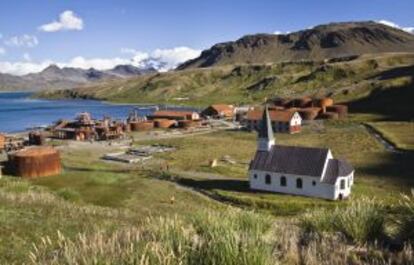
(336, 168)
(296, 160)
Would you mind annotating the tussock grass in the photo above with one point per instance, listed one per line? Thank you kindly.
(229, 237)
(405, 221)
(361, 221)
(206, 238)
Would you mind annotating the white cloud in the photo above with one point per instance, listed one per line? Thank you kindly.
(395, 25)
(278, 32)
(2, 51)
(97, 63)
(162, 59)
(22, 68)
(28, 66)
(27, 57)
(25, 40)
(68, 20)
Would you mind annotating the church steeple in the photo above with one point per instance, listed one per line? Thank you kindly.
(265, 139)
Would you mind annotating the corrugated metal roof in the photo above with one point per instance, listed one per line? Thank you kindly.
(307, 161)
(336, 168)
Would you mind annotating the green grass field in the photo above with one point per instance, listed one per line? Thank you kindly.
(102, 199)
(379, 173)
(399, 133)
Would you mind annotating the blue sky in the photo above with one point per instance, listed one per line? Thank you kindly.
(104, 32)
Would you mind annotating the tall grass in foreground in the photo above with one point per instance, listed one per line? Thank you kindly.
(232, 237)
(405, 222)
(361, 221)
(229, 237)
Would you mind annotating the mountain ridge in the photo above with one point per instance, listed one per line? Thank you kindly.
(321, 42)
(55, 77)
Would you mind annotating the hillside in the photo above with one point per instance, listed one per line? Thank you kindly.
(388, 77)
(318, 43)
(54, 77)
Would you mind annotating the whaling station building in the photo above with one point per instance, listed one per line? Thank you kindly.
(282, 121)
(297, 170)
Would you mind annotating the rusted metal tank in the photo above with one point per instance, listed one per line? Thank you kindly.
(189, 124)
(342, 110)
(164, 123)
(328, 116)
(37, 138)
(141, 126)
(323, 103)
(2, 142)
(309, 113)
(35, 162)
(303, 102)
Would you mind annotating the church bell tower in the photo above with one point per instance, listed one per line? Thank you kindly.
(265, 139)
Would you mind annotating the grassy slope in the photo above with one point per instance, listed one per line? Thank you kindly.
(378, 173)
(401, 134)
(89, 196)
(92, 196)
(347, 81)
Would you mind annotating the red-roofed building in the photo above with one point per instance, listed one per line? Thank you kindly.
(283, 121)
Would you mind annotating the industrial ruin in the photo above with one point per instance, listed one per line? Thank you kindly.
(311, 108)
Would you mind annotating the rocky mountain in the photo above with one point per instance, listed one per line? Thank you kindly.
(54, 77)
(130, 70)
(318, 43)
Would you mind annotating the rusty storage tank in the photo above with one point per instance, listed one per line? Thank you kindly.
(329, 116)
(302, 102)
(279, 102)
(342, 110)
(309, 113)
(2, 142)
(323, 103)
(292, 109)
(164, 123)
(274, 107)
(35, 162)
(141, 126)
(37, 138)
(185, 124)
(126, 127)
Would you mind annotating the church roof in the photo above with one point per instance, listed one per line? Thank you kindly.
(336, 168)
(307, 161)
(266, 130)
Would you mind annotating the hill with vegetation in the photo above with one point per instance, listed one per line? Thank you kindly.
(368, 82)
(318, 43)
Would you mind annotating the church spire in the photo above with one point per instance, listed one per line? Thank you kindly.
(265, 138)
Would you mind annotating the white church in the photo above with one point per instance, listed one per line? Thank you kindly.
(296, 170)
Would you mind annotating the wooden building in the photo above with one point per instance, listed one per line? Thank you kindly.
(282, 121)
